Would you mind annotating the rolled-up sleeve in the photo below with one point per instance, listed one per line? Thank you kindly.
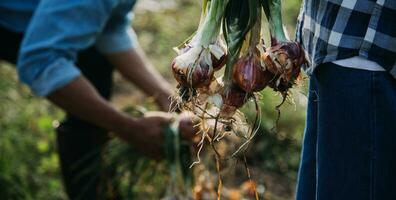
(117, 41)
(57, 74)
(57, 31)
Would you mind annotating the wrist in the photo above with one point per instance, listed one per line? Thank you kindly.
(125, 126)
(163, 99)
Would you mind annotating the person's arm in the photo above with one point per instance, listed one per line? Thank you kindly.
(119, 42)
(82, 100)
(134, 66)
(57, 31)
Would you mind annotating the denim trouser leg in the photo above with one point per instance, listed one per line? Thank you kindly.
(350, 136)
(307, 171)
(384, 148)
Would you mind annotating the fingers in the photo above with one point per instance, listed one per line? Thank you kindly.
(188, 125)
(162, 118)
(186, 128)
(158, 114)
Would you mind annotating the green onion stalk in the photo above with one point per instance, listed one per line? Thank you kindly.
(239, 19)
(243, 73)
(273, 12)
(178, 157)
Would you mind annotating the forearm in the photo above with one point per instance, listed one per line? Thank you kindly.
(134, 66)
(82, 100)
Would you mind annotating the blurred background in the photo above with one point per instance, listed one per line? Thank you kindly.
(28, 161)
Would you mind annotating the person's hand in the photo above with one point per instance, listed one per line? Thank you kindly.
(164, 101)
(146, 133)
(188, 125)
(136, 67)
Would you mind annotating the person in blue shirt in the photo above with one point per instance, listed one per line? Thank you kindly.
(68, 50)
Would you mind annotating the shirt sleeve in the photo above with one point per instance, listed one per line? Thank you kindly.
(118, 35)
(57, 31)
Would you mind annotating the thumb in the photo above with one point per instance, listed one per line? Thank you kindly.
(165, 120)
(161, 117)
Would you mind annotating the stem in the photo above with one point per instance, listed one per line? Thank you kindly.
(255, 33)
(250, 178)
(211, 25)
(273, 11)
(234, 48)
(220, 182)
(203, 12)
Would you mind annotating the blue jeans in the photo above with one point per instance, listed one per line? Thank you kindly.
(349, 148)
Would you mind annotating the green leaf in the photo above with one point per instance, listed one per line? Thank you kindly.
(273, 11)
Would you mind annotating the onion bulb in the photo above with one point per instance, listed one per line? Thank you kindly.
(233, 99)
(249, 75)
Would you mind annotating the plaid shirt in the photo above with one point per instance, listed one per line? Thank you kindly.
(331, 30)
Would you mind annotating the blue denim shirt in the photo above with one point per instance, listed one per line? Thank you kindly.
(55, 30)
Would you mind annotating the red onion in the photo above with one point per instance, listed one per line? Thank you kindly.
(249, 75)
(196, 76)
(232, 100)
(284, 60)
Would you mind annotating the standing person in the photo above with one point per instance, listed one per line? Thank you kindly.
(350, 136)
(67, 52)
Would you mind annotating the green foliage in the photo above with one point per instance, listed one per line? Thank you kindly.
(278, 144)
(132, 175)
(28, 162)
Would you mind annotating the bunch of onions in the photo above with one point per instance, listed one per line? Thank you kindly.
(249, 67)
